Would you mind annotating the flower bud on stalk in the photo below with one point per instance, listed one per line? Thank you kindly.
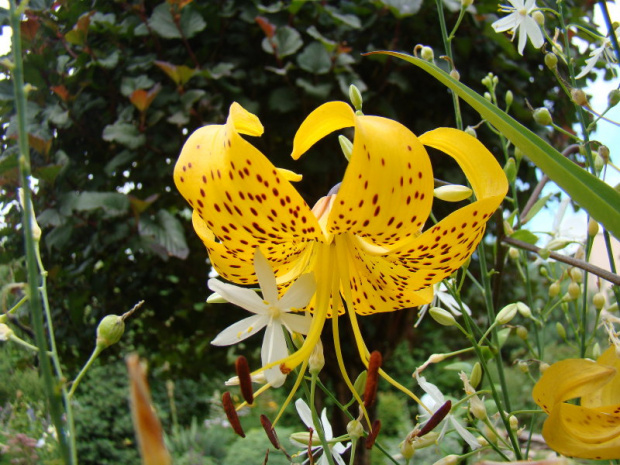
(356, 97)
(542, 116)
(476, 375)
(574, 290)
(613, 97)
(592, 227)
(441, 316)
(561, 331)
(510, 169)
(427, 54)
(355, 429)
(578, 97)
(603, 151)
(448, 460)
(406, 449)
(347, 146)
(509, 98)
(471, 131)
(110, 331)
(551, 60)
(598, 300)
(554, 289)
(506, 314)
(316, 362)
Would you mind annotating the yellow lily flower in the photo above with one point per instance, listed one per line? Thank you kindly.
(365, 242)
(590, 430)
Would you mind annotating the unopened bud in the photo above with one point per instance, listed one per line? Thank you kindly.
(578, 97)
(346, 145)
(487, 96)
(524, 310)
(574, 290)
(514, 422)
(36, 230)
(509, 98)
(551, 60)
(603, 151)
(523, 366)
(441, 316)
(596, 350)
(471, 131)
(477, 408)
(554, 289)
(539, 17)
(487, 80)
(613, 97)
(215, 298)
(302, 438)
(316, 362)
(513, 253)
(360, 383)
(518, 153)
(561, 331)
(427, 54)
(454, 74)
(5, 332)
(599, 163)
(556, 244)
(522, 332)
(406, 449)
(592, 227)
(506, 314)
(543, 271)
(476, 375)
(448, 460)
(510, 168)
(356, 97)
(508, 228)
(598, 300)
(542, 367)
(355, 429)
(110, 331)
(452, 192)
(576, 275)
(542, 116)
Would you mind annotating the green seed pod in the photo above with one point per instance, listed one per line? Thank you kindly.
(551, 60)
(110, 331)
(476, 375)
(542, 116)
(522, 332)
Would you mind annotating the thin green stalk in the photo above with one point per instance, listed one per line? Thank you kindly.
(84, 369)
(612, 263)
(317, 423)
(55, 404)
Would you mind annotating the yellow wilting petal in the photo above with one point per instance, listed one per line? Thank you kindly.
(242, 198)
(147, 425)
(609, 394)
(387, 191)
(326, 119)
(569, 379)
(576, 431)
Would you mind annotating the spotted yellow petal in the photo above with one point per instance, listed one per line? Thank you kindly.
(580, 432)
(243, 200)
(387, 191)
(609, 394)
(570, 379)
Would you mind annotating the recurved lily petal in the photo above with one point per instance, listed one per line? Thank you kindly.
(577, 431)
(609, 394)
(570, 379)
(387, 190)
(242, 198)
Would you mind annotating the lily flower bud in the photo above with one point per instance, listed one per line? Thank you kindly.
(302, 438)
(509, 98)
(471, 131)
(539, 17)
(603, 151)
(406, 449)
(524, 310)
(346, 145)
(448, 460)
(561, 331)
(613, 97)
(522, 332)
(576, 275)
(215, 298)
(513, 253)
(356, 97)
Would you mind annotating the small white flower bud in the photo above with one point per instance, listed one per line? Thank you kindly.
(592, 227)
(356, 97)
(346, 145)
(523, 366)
(302, 438)
(551, 60)
(561, 331)
(471, 131)
(355, 429)
(510, 168)
(509, 98)
(452, 193)
(542, 367)
(476, 375)
(539, 17)
(542, 116)
(513, 253)
(522, 332)
(576, 275)
(454, 74)
(524, 310)
(427, 54)
(316, 362)
(598, 300)
(578, 97)
(5, 332)
(406, 449)
(441, 316)
(506, 314)
(514, 422)
(603, 151)
(448, 460)
(487, 96)
(554, 289)
(613, 98)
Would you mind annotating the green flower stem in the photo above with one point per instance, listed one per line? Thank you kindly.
(612, 263)
(56, 408)
(98, 349)
(317, 422)
(386, 453)
(17, 340)
(447, 43)
(566, 133)
(353, 447)
(15, 307)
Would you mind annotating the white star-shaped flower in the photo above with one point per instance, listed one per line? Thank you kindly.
(336, 449)
(443, 299)
(520, 22)
(434, 399)
(270, 312)
(604, 52)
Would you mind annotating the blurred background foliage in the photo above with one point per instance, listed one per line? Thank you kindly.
(117, 86)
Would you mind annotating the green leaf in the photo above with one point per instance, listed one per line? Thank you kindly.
(162, 23)
(110, 61)
(113, 203)
(350, 20)
(314, 59)
(318, 91)
(525, 236)
(125, 134)
(403, 8)
(191, 22)
(164, 234)
(600, 200)
(286, 41)
(329, 45)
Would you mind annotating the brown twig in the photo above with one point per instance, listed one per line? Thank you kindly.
(601, 273)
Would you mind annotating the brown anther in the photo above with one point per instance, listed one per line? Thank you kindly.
(271, 433)
(437, 417)
(374, 432)
(245, 380)
(284, 369)
(231, 414)
(372, 381)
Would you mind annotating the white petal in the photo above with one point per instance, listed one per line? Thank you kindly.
(337, 457)
(533, 32)
(522, 38)
(240, 330)
(327, 427)
(589, 65)
(274, 349)
(529, 5)
(517, 4)
(300, 293)
(297, 323)
(464, 433)
(432, 391)
(506, 23)
(240, 296)
(323, 460)
(265, 276)
(304, 413)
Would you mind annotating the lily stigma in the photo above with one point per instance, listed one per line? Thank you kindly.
(365, 243)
